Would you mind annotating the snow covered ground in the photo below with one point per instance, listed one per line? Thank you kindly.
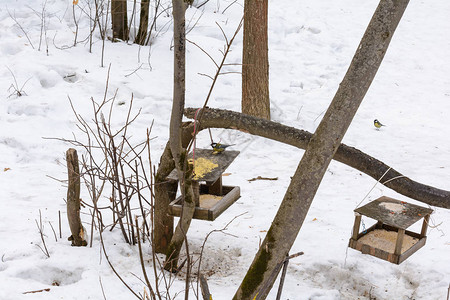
(311, 45)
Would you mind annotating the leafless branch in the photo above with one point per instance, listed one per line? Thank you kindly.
(40, 227)
(20, 26)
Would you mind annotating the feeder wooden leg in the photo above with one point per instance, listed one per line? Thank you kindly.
(216, 187)
(196, 190)
(398, 245)
(423, 232)
(356, 227)
(379, 225)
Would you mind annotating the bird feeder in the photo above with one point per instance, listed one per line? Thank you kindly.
(211, 197)
(388, 239)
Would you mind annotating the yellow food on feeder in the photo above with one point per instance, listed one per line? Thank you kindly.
(203, 166)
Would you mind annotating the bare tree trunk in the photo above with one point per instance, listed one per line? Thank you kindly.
(321, 149)
(143, 23)
(165, 192)
(73, 199)
(255, 60)
(119, 19)
(178, 152)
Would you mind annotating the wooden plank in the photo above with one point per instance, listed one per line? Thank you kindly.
(226, 202)
(379, 210)
(196, 191)
(399, 243)
(379, 253)
(200, 213)
(412, 250)
(356, 226)
(423, 232)
(216, 188)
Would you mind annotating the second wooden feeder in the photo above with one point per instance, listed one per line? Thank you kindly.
(388, 239)
(211, 197)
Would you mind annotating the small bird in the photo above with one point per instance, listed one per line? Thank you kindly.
(218, 148)
(377, 124)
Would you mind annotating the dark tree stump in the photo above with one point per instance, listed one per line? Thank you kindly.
(73, 199)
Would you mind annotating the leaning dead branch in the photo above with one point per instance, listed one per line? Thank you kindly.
(217, 118)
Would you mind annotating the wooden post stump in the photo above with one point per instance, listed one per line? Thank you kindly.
(73, 199)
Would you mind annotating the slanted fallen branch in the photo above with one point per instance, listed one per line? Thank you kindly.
(219, 118)
(37, 291)
(262, 178)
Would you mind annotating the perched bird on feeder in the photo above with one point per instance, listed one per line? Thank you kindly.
(218, 148)
(377, 124)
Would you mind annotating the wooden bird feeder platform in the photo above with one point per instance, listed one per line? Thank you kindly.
(211, 197)
(388, 239)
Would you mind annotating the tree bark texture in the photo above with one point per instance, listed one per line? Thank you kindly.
(165, 192)
(255, 60)
(180, 234)
(119, 19)
(179, 81)
(143, 23)
(73, 199)
(321, 149)
(175, 140)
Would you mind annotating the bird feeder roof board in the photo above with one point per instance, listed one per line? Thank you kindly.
(222, 159)
(393, 212)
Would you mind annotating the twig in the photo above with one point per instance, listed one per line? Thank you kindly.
(92, 227)
(113, 269)
(283, 275)
(37, 291)
(200, 5)
(216, 76)
(134, 71)
(205, 289)
(273, 275)
(54, 233)
(104, 36)
(76, 24)
(40, 227)
(59, 220)
(21, 28)
(101, 286)
(42, 17)
(18, 91)
(206, 239)
(141, 258)
(223, 11)
(204, 51)
(262, 178)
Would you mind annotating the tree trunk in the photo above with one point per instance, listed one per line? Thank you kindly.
(165, 192)
(143, 23)
(73, 199)
(119, 19)
(219, 118)
(255, 60)
(178, 152)
(320, 150)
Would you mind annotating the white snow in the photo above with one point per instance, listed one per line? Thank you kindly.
(311, 46)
